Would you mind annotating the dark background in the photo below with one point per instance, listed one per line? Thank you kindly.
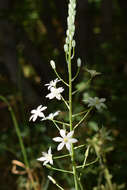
(32, 33)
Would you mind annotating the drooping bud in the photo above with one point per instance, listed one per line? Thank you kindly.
(78, 62)
(52, 179)
(65, 47)
(73, 43)
(52, 63)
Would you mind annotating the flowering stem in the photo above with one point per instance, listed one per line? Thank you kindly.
(83, 118)
(70, 116)
(60, 78)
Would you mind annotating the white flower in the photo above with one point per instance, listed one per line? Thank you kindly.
(66, 140)
(52, 83)
(46, 157)
(51, 115)
(37, 113)
(96, 102)
(52, 63)
(55, 93)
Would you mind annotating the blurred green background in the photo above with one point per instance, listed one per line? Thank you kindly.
(32, 32)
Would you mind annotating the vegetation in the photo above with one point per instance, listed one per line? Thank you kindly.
(31, 34)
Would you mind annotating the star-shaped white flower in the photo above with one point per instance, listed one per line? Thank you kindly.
(55, 93)
(51, 116)
(46, 157)
(96, 102)
(52, 83)
(66, 140)
(37, 112)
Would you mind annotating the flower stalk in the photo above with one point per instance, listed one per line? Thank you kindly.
(70, 117)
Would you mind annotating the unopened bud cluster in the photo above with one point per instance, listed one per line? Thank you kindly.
(70, 25)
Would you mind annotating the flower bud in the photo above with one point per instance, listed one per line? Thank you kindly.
(73, 43)
(52, 63)
(67, 41)
(52, 179)
(65, 47)
(78, 62)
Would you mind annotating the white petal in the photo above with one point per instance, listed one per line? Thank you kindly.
(62, 133)
(46, 161)
(44, 154)
(60, 90)
(73, 140)
(70, 134)
(39, 107)
(45, 118)
(53, 90)
(50, 96)
(49, 150)
(60, 146)
(33, 117)
(42, 159)
(41, 114)
(102, 100)
(58, 139)
(58, 96)
(98, 106)
(68, 146)
(33, 111)
(51, 161)
(56, 113)
(43, 108)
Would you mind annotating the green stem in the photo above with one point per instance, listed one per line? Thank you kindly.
(81, 187)
(108, 178)
(76, 74)
(65, 102)
(83, 118)
(70, 117)
(63, 156)
(60, 122)
(74, 115)
(57, 169)
(17, 131)
(80, 146)
(107, 174)
(56, 125)
(60, 78)
(82, 166)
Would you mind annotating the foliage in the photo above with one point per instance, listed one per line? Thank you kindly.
(42, 24)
